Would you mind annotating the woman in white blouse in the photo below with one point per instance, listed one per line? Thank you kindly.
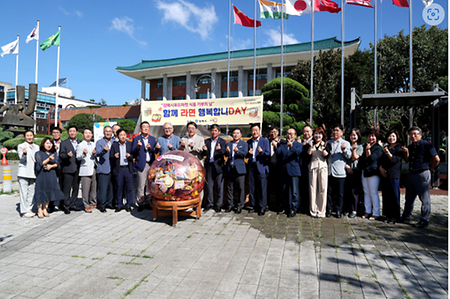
(86, 155)
(26, 175)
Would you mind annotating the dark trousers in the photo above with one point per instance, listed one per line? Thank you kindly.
(291, 195)
(303, 201)
(418, 185)
(124, 179)
(257, 184)
(51, 204)
(234, 178)
(391, 197)
(71, 182)
(105, 190)
(213, 179)
(336, 187)
(273, 188)
(352, 191)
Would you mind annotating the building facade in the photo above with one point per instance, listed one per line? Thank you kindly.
(203, 76)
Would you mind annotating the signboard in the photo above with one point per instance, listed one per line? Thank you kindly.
(98, 129)
(204, 112)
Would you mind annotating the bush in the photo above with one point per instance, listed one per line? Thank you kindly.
(12, 156)
(13, 143)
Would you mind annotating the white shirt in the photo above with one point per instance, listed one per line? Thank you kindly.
(255, 147)
(87, 160)
(213, 148)
(123, 154)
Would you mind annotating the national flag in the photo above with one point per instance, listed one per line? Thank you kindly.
(326, 5)
(33, 35)
(241, 19)
(270, 9)
(11, 48)
(298, 7)
(365, 3)
(401, 3)
(52, 40)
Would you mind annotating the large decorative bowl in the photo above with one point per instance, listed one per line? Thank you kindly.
(176, 175)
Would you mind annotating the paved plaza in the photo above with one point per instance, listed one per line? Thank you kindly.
(220, 255)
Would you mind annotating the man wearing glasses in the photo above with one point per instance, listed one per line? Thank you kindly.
(105, 185)
(168, 142)
(418, 154)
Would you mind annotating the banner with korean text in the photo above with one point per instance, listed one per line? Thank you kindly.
(221, 111)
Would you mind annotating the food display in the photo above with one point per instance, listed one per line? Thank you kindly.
(176, 175)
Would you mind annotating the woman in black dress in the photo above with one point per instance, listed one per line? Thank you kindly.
(47, 187)
(390, 170)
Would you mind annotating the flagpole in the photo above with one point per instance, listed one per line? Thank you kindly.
(342, 62)
(410, 62)
(254, 53)
(312, 66)
(375, 62)
(229, 32)
(17, 69)
(57, 80)
(281, 88)
(36, 75)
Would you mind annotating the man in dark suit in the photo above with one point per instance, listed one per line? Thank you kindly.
(142, 148)
(305, 159)
(214, 150)
(289, 166)
(122, 169)
(274, 179)
(236, 170)
(258, 154)
(70, 167)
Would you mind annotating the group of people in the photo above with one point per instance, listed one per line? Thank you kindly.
(312, 175)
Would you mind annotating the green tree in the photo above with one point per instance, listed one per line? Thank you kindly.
(5, 135)
(295, 104)
(84, 120)
(127, 124)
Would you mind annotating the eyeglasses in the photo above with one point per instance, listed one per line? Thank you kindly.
(414, 134)
(167, 128)
(108, 131)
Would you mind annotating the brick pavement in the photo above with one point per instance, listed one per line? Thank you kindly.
(220, 255)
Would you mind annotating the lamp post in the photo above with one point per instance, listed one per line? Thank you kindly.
(197, 88)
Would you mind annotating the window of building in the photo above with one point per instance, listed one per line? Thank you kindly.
(159, 83)
(257, 92)
(233, 94)
(259, 75)
(179, 98)
(234, 77)
(159, 98)
(179, 81)
(204, 80)
(286, 74)
(202, 96)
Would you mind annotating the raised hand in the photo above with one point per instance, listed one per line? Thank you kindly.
(404, 149)
(204, 147)
(324, 153)
(260, 150)
(169, 146)
(236, 149)
(116, 155)
(127, 155)
(106, 148)
(94, 151)
(354, 146)
(24, 150)
(182, 143)
(343, 146)
(386, 150)
(274, 144)
(228, 149)
(289, 144)
(70, 154)
(85, 151)
(139, 144)
(191, 144)
(149, 146)
(158, 146)
(250, 151)
(218, 147)
(52, 157)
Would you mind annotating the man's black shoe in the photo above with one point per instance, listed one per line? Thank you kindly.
(281, 212)
(140, 208)
(421, 224)
(109, 207)
(262, 212)
(128, 209)
(51, 209)
(118, 210)
(238, 211)
(206, 208)
(217, 209)
(406, 220)
(328, 214)
(338, 214)
(103, 210)
(252, 210)
(291, 214)
(75, 209)
(66, 211)
(229, 209)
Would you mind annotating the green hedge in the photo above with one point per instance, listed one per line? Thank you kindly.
(13, 143)
(12, 156)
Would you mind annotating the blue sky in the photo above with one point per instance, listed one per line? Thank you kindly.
(97, 36)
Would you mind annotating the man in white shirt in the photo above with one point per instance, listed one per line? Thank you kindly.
(86, 156)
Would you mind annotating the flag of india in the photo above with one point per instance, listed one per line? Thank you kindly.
(270, 9)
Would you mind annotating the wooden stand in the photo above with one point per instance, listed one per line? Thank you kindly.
(175, 208)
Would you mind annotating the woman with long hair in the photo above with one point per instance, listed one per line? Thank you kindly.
(319, 150)
(47, 186)
(391, 169)
(353, 179)
(370, 174)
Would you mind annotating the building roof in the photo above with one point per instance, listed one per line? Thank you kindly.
(395, 100)
(147, 68)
